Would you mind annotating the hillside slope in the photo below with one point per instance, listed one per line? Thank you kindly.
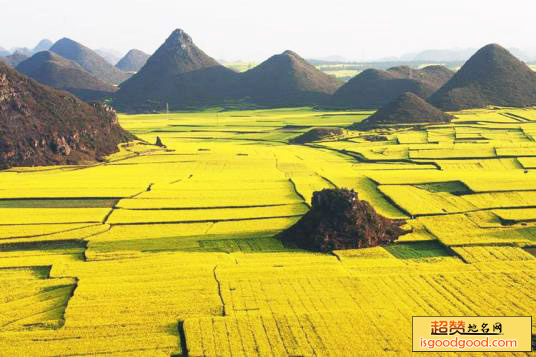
(43, 126)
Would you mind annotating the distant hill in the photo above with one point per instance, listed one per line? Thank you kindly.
(14, 59)
(53, 70)
(406, 109)
(21, 53)
(492, 76)
(179, 74)
(334, 59)
(89, 60)
(133, 61)
(449, 55)
(111, 56)
(434, 75)
(43, 126)
(43, 45)
(22, 50)
(374, 88)
(288, 80)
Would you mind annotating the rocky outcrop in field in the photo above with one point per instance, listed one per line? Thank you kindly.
(339, 220)
(317, 134)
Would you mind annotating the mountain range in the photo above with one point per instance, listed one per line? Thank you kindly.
(181, 75)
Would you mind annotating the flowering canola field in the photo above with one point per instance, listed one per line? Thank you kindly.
(173, 251)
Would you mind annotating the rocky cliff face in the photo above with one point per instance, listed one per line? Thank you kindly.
(43, 126)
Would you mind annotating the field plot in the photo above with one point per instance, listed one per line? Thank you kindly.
(492, 253)
(51, 215)
(122, 216)
(527, 162)
(174, 251)
(31, 300)
(516, 215)
(417, 201)
(511, 199)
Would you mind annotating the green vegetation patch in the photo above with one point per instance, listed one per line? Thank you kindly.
(34, 272)
(59, 203)
(243, 245)
(418, 250)
(531, 250)
(454, 187)
(68, 246)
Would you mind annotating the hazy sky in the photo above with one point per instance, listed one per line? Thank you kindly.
(254, 30)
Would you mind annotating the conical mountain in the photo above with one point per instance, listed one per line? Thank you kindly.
(178, 55)
(43, 45)
(40, 125)
(55, 71)
(375, 88)
(288, 80)
(406, 109)
(178, 74)
(133, 61)
(492, 76)
(89, 60)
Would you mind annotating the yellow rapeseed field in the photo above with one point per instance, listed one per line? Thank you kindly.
(174, 251)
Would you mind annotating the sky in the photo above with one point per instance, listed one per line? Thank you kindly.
(253, 30)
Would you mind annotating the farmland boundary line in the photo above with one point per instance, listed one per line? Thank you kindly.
(293, 184)
(219, 290)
